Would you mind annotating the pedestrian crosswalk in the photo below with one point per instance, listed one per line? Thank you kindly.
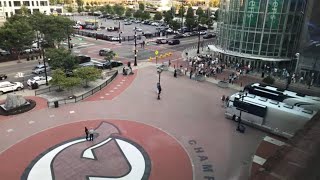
(82, 45)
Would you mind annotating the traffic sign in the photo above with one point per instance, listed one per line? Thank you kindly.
(156, 52)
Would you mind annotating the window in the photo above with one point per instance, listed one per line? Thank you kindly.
(274, 102)
(26, 3)
(32, 2)
(9, 3)
(307, 111)
(37, 3)
(288, 106)
(263, 99)
(43, 3)
(16, 3)
(254, 109)
(5, 4)
(0, 4)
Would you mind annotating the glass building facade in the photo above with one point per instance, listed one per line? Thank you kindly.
(261, 28)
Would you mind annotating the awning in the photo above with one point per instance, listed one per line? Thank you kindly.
(247, 56)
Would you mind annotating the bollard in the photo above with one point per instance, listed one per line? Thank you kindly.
(240, 84)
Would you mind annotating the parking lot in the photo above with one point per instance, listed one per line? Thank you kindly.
(126, 30)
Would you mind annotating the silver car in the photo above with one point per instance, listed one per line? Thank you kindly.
(40, 69)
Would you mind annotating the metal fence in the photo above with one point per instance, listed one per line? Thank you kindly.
(84, 95)
(108, 37)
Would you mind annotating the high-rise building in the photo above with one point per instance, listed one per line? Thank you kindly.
(259, 32)
(11, 7)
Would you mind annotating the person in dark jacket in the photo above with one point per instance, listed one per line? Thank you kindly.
(159, 90)
(175, 73)
(87, 132)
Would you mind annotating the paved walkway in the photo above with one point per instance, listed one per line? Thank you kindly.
(187, 124)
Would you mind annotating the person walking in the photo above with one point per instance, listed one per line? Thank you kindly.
(87, 132)
(91, 132)
(226, 101)
(223, 98)
(191, 73)
(175, 73)
(159, 90)
(169, 62)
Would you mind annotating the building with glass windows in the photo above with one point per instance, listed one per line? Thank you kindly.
(259, 32)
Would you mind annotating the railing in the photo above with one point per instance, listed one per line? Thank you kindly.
(93, 34)
(84, 95)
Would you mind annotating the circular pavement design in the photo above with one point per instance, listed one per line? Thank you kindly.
(120, 150)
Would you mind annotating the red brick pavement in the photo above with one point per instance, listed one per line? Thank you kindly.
(169, 161)
(117, 86)
(41, 104)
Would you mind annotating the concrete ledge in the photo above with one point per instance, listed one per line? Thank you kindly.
(223, 84)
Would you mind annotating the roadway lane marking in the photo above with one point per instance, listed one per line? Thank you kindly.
(111, 91)
(274, 141)
(107, 94)
(101, 97)
(31, 122)
(51, 116)
(118, 85)
(259, 160)
(115, 88)
(9, 130)
(71, 112)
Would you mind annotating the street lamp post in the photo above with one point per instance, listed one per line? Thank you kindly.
(297, 64)
(198, 51)
(135, 46)
(45, 69)
(159, 70)
(120, 37)
(241, 94)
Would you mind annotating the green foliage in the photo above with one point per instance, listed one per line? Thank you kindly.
(175, 25)
(70, 82)
(168, 17)
(145, 15)
(69, 9)
(268, 80)
(157, 16)
(88, 74)
(203, 20)
(24, 10)
(80, 9)
(190, 23)
(141, 6)
(182, 10)
(87, 7)
(80, 3)
(109, 56)
(128, 13)
(61, 59)
(138, 14)
(190, 13)
(119, 9)
(199, 12)
(16, 34)
(214, 3)
(58, 77)
(54, 28)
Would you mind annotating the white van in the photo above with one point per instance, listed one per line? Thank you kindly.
(7, 86)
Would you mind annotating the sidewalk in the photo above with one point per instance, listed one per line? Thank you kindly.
(14, 62)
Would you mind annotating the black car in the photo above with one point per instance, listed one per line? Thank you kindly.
(174, 41)
(3, 76)
(201, 28)
(83, 59)
(109, 64)
(208, 36)
(178, 36)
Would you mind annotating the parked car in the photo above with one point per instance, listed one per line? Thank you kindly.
(203, 32)
(169, 30)
(4, 53)
(174, 41)
(3, 76)
(161, 41)
(114, 38)
(40, 80)
(7, 86)
(108, 64)
(40, 69)
(178, 36)
(137, 29)
(128, 23)
(83, 59)
(154, 24)
(104, 51)
(208, 36)
(112, 28)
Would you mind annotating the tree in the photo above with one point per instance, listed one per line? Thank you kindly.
(199, 12)
(61, 59)
(190, 13)
(16, 35)
(128, 13)
(175, 25)
(190, 23)
(54, 28)
(24, 10)
(109, 56)
(88, 74)
(58, 76)
(168, 17)
(119, 9)
(145, 15)
(141, 6)
(214, 3)
(203, 20)
(80, 3)
(69, 9)
(138, 14)
(182, 10)
(69, 83)
(157, 16)
(87, 7)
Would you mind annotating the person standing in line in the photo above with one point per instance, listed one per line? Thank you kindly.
(175, 73)
(169, 62)
(191, 73)
(91, 132)
(87, 132)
